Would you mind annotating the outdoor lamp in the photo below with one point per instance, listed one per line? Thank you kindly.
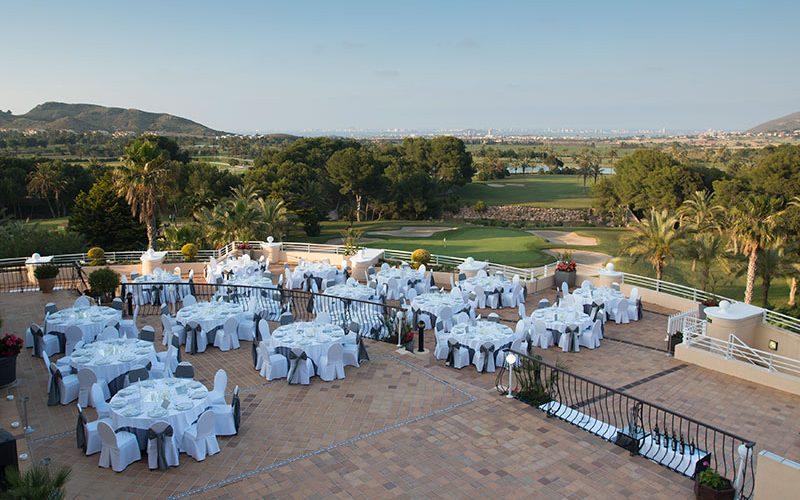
(511, 358)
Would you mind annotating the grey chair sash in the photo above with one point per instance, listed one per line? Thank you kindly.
(156, 290)
(236, 408)
(499, 293)
(138, 374)
(462, 277)
(54, 391)
(62, 341)
(587, 308)
(294, 360)
(452, 347)
(147, 335)
(80, 432)
(176, 342)
(486, 351)
(193, 331)
(433, 280)
(639, 309)
(160, 438)
(362, 350)
(184, 371)
(38, 341)
(164, 309)
(191, 286)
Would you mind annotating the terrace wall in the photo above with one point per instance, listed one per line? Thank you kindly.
(776, 477)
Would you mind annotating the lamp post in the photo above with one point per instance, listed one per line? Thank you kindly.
(421, 335)
(511, 358)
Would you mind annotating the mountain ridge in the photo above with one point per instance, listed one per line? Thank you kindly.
(81, 117)
(788, 123)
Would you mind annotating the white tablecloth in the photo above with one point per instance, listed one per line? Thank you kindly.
(433, 302)
(402, 274)
(317, 270)
(91, 320)
(208, 315)
(174, 290)
(483, 331)
(607, 296)
(345, 291)
(559, 318)
(109, 359)
(488, 283)
(140, 404)
(313, 338)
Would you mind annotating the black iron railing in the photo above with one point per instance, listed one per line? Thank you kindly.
(378, 320)
(19, 277)
(678, 442)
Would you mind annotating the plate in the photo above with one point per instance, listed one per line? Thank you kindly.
(132, 411)
(127, 358)
(118, 403)
(184, 405)
(157, 412)
(103, 361)
(198, 395)
(172, 381)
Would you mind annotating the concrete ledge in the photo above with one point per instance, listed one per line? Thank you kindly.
(776, 477)
(740, 369)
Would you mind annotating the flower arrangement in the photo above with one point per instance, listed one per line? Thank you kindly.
(243, 246)
(712, 479)
(565, 263)
(10, 345)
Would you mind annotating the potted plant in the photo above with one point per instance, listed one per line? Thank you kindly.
(710, 485)
(420, 256)
(244, 247)
(407, 336)
(10, 346)
(103, 283)
(46, 276)
(709, 302)
(189, 252)
(37, 482)
(566, 270)
(97, 256)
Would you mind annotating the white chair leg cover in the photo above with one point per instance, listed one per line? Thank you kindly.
(331, 365)
(199, 440)
(223, 420)
(119, 450)
(274, 366)
(93, 442)
(350, 355)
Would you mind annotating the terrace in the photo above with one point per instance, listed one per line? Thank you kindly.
(406, 425)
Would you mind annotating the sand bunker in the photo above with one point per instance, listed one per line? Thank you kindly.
(413, 231)
(339, 241)
(565, 238)
(595, 259)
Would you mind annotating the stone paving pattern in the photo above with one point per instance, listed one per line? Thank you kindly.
(406, 426)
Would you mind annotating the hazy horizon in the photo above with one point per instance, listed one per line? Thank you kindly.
(267, 67)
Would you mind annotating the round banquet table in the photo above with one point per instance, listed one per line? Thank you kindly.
(319, 270)
(433, 302)
(558, 318)
(607, 296)
(112, 359)
(403, 274)
(209, 315)
(141, 404)
(91, 320)
(474, 336)
(174, 288)
(313, 338)
(345, 291)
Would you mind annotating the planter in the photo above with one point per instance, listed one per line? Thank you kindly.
(567, 277)
(46, 285)
(674, 340)
(8, 370)
(409, 345)
(701, 311)
(702, 492)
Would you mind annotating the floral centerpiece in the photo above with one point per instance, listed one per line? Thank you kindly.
(710, 485)
(566, 269)
(10, 347)
(244, 246)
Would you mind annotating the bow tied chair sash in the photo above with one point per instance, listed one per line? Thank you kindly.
(80, 431)
(38, 341)
(254, 351)
(639, 309)
(294, 360)
(236, 409)
(193, 331)
(54, 391)
(176, 342)
(191, 286)
(160, 438)
(499, 293)
(505, 347)
(362, 350)
(486, 351)
(157, 290)
(452, 347)
(62, 341)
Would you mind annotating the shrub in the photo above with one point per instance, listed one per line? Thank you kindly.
(97, 256)
(712, 479)
(18, 239)
(189, 252)
(480, 206)
(420, 256)
(103, 282)
(37, 482)
(45, 271)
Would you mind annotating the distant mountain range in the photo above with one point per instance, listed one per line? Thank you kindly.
(788, 123)
(91, 117)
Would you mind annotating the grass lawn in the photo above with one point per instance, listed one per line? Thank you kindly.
(554, 191)
(51, 223)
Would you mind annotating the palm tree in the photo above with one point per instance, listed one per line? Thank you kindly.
(700, 212)
(655, 239)
(274, 215)
(37, 482)
(706, 250)
(140, 180)
(46, 180)
(772, 263)
(751, 226)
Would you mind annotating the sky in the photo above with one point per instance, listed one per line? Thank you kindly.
(297, 65)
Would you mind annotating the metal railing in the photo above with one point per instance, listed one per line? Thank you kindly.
(676, 321)
(19, 278)
(735, 349)
(378, 320)
(676, 441)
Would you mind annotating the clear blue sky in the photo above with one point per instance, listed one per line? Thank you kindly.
(291, 65)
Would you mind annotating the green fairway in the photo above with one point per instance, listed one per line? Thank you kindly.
(555, 191)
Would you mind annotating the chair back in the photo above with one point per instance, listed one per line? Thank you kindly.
(522, 328)
(263, 329)
(82, 301)
(335, 352)
(286, 319)
(323, 318)
(108, 333)
(50, 308)
(634, 294)
(138, 374)
(205, 424)
(73, 334)
(493, 317)
(564, 289)
(230, 326)
(184, 370)
(86, 378)
(220, 381)
(107, 435)
(189, 300)
(117, 304)
(159, 426)
(147, 333)
(98, 397)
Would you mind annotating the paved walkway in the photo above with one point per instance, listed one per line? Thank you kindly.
(406, 426)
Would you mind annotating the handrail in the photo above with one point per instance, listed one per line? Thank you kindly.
(735, 348)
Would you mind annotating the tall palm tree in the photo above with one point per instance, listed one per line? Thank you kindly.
(274, 215)
(47, 180)
(141, 181)
(706, 251)
(751, 225)
(700, 212)
(655, 239)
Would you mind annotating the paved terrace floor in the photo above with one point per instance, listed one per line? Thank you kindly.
(405, 426)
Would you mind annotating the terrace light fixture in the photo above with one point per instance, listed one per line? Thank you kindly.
(511, 358)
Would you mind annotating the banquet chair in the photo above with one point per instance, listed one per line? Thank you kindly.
(481, 274)
(350, 345)
(227, 416)
(634, 304)
(511, 296)
(446, 317)
(200, 440)
(217, 395)
(228, 337)
(493, 317)
(500, 354)
(137, 375)
(441, 349)
(162, 430)
(88, 438)
(108, 333)
(484, 358)
(61, 389)
(541, 336)
(167, 362)
(82, 301)
(196, 338)
(300, 367)
(460, 318)
(480, 297)
(323, 318)
(286, 319)
(170, 327)
(50, 308)
(147, 333)
(264, 331)
(73, 335)
(564, 289)
(621, 312)
(86, 379)
(184, 370)
(458, 355)
(96, 398)
(128, 327)
(245, 327)
(118, 449)
(43, 342)
(270, 364)
(521, 310)
(331, 364)
(189, 300)
(493, 297)
(522, 329)
(543, 304)
(117, 304)
(591, 337)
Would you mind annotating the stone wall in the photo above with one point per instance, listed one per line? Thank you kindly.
(517, 213)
